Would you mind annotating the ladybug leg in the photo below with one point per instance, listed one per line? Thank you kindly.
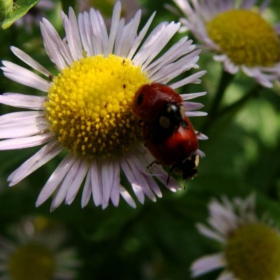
(170, 171)
(152, 163)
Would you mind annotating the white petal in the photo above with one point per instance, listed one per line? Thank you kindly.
(77, 181)
(170, 55)
(120, 37)
(151, 184)
(141, 179)
(23, 100)
(192, 106)
(22, 130)
(16, 117)
(220, 58)
(127, 197)
(194, 78)
(30, 61)
(83, 20)
(107, 179)
(211, 233)
(114, 26)
(127, 36)
(24, 76)
(26, 142)
(172, 70)
(155, 42)
(223, 219)
(188, 96)
(96, 40)
(226, 275)
(96, 183)
(201, 136)
(247, 4)
(86, 191)
(196, 114)
(104, 33)
(133, 180)
(55, 179)
(44, 155)
(57, 47)
(72, 34)
(200, 153)
(207, 264)
(53, 44)
(66, 183)
(230, 67)
(115, 190)
(140, 37)
(160, 173)
(142, 166)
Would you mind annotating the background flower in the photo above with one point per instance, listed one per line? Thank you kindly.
(35, 252)
(237, 34)
(250, 246)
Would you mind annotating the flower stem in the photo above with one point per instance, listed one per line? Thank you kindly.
(235, 107)
(225, 80)
(253, 92)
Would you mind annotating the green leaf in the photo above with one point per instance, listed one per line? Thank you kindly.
(20, 8)
(6, 7)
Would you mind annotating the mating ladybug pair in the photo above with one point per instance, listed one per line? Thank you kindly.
(167, 132)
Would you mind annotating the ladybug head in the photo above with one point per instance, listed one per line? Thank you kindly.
(151, 99)
(187, 167)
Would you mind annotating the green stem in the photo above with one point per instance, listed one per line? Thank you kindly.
(235, 107)
(225, 80)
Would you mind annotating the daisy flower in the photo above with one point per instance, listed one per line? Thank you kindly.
(251, 246)
(238, 35)
(35, 253)
(87, 109)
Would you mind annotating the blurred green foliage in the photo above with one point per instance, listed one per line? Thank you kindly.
(156, 241)
(14, 11)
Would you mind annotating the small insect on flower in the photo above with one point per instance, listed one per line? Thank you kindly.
(167, 132)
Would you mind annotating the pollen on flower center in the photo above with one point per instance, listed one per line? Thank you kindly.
(89, 106)
(32, 262)
(245, 37)
(253, 252)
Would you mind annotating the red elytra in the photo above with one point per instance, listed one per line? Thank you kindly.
(150, 99)
(181, 144)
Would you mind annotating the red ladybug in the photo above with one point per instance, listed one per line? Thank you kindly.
(150, 99)
(167, 132)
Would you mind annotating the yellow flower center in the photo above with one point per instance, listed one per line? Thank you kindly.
(32, 262)
(89, 106)
(245, 37)
(253, 252)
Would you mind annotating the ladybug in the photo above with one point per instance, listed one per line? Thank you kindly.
(167, 132)
(150, 100)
